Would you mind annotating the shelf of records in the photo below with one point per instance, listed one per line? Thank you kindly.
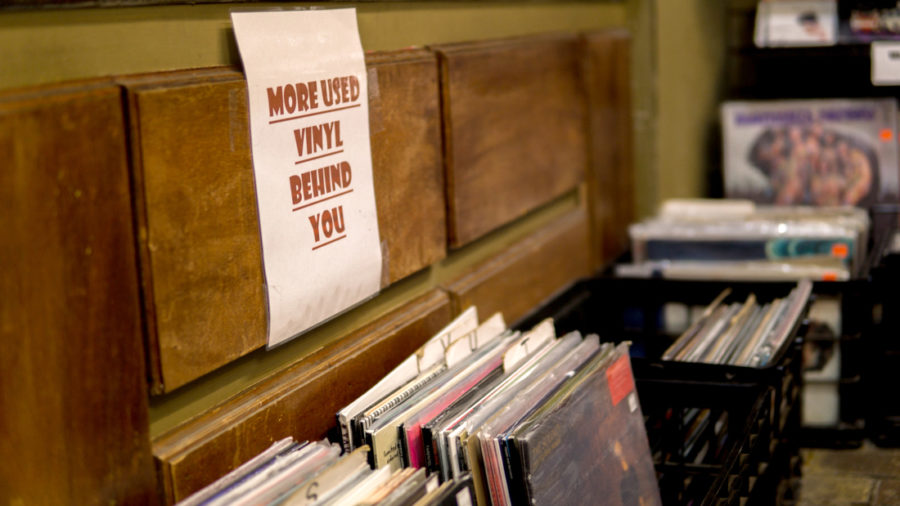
(543, 413)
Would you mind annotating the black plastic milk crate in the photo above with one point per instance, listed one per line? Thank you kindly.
(711, 442)
(720, 434)
(883, 356)
(619, 309)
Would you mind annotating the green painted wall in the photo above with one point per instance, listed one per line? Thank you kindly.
(45, 46)
(690, 42)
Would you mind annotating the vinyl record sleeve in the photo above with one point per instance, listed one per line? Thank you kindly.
(817, 152)
(589, 441)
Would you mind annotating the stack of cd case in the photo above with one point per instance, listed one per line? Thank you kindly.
(694, 421)
(739, 240)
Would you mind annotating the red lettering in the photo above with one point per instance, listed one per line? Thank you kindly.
(314, 221)
(327, 94)
(307, 190)
(345, 89)
(296, 193)
(317, 138)
(298, 138)
(345, 174)
(327, 225)
(329, 129)
(338, 213)
(318, 183)
(335, 174)
(290, 98)
(302, 97)
(336, 86)
(325, 174)
(354, 88)
(276, 101)
(313, 95)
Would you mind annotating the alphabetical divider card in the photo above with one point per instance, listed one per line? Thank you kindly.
(309, 129)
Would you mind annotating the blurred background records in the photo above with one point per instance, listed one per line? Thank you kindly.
(744, 333)
(739, 240)
(811, 152)
(796, 23)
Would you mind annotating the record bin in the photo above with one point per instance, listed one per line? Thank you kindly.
(856, 305)
(883, 348)
(757, 410)
(865, 356)
(858, 299)
(712, 443)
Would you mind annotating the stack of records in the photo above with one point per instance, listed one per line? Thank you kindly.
(741, 333)
(738, 240)
(525, 418)
(478, 414)
(290, 473)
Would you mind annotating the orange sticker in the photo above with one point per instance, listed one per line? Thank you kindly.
(829, 276)
(886, 134)
(840, 250)
(621, 383)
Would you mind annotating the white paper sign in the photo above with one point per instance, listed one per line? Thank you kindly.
(885, 63)
(309, 126)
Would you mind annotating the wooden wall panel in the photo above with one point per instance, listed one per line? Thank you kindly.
(300, 401)
(73, 396)
(199, 231)
(199, 240)
(405, 126)
(514, 129)
(528, 272)
(610, 177)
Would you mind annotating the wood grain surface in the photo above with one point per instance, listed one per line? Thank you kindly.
(610, 178)
(73, 395)
(528, 272)
(514, 128)
(198, 224)
(405, 127)
(198, 227)
(300, 401)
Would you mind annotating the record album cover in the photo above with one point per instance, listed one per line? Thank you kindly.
(815, 152)
(589, 441)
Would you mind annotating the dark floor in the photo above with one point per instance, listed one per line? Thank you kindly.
(865, 476)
